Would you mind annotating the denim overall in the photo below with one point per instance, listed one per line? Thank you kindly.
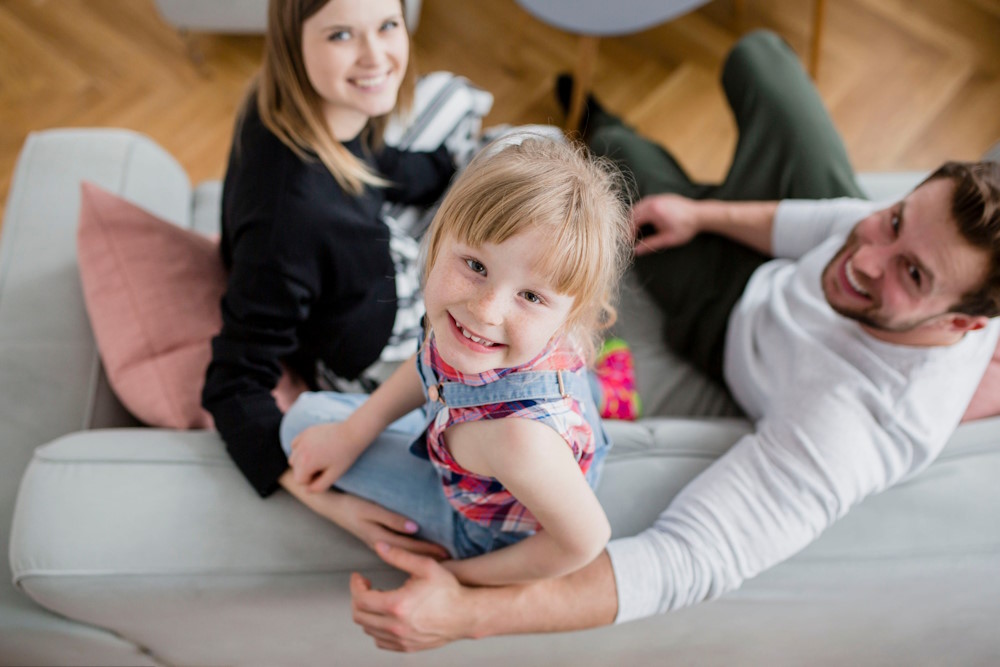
(472, 538)
(388, 472)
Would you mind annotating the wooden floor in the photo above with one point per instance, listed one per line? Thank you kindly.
(909, 83)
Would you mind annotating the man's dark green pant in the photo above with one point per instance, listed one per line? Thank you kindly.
(787, 149)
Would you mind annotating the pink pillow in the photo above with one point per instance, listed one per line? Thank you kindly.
(152, 291)
(986, 401)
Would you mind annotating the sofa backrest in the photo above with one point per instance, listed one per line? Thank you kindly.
(53, 381)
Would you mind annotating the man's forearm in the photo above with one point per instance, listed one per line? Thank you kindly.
(750, 223)
(583, 599)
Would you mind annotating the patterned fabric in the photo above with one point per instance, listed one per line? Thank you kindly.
(483, 499)
(615, 371)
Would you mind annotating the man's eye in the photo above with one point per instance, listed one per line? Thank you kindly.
(475, 266)
(914, 274)
(894, 221)
(531, 297)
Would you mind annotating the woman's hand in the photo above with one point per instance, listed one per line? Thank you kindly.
(367, 521)
(322, 453)
(373, 524)
(674, 221)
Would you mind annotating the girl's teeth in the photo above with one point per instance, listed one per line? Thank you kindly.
(476, 339)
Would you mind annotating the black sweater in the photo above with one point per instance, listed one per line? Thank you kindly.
(310, 277)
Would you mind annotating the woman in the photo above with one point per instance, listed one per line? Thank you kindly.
(317, 281)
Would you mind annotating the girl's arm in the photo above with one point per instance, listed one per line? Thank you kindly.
(322, 453)
(535, 464)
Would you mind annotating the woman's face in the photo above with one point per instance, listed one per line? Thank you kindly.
(355, 54)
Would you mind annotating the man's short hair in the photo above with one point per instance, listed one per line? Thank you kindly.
(975, 206)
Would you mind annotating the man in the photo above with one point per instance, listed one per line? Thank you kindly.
(855, 351)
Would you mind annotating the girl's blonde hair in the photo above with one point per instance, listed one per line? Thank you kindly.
(291, 108)
(577, 199)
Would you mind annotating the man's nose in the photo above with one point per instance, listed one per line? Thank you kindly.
(870, 260)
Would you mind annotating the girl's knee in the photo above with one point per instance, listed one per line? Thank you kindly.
(313, 408)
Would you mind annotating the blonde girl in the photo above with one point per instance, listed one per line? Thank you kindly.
(523, 259)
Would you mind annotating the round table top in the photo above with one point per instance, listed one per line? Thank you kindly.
(607, 17)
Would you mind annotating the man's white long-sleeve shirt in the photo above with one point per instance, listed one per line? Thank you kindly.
(839, 415)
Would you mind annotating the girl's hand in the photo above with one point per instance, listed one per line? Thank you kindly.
(673, 219)
(322, 453)
(367, 521)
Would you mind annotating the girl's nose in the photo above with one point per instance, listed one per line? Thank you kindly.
(487, 307)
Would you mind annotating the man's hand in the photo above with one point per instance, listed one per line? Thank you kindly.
(674, 221)
(322, 453)
(370, 523)
(428, 611)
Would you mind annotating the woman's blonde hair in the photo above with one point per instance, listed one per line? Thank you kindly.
(576, 198)
(291, 108)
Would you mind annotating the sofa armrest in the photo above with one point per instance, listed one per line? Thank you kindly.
(159, 502)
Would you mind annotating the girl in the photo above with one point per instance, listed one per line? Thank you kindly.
(523, 258)
(317, 282)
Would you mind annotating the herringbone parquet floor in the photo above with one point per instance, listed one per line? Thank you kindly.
(909, 82)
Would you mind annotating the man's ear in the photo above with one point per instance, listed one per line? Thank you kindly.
(960, 322)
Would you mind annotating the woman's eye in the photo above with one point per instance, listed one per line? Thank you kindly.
(390, 24)
(475, 266)
(531, 297)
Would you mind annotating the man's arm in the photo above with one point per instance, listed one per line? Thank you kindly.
(675, 220)
(769, 496)
(433, 609)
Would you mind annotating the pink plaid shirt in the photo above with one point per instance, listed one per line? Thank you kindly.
(483, 499)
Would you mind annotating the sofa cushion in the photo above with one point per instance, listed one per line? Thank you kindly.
(152, 291)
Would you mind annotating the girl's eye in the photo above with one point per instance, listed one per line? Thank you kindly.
(531, 297)
(339, 36)
(475, 266)
(390, 24)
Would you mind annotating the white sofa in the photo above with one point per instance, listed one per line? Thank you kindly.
(139, 546)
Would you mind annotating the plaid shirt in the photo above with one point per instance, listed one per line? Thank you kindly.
(483, 499)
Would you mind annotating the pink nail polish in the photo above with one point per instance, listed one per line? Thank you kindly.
(410, 527)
